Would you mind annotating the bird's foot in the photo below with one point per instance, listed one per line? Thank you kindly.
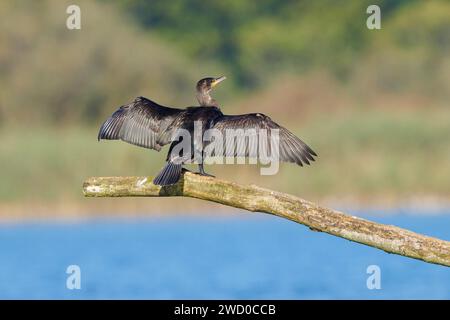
(202, 171)
(206, 174)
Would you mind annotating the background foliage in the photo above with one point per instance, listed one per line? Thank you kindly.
(373, 103)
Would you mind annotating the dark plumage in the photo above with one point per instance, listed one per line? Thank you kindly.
(147, 124)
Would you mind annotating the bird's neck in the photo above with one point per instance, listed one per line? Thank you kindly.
(205, 99)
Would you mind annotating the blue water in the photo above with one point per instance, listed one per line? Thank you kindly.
(249, 256)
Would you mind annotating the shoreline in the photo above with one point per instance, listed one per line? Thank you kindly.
(94, 208)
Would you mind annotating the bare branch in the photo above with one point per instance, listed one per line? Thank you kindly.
(253, 198)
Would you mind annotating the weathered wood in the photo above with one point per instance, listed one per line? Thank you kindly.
(253, 198)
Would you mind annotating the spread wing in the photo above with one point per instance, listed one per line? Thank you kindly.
(290, 148)
(143, 123)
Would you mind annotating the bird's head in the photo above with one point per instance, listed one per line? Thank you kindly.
(204, 87)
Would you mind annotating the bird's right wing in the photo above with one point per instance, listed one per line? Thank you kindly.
(143, 123)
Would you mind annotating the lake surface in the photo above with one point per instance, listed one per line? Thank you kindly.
(248, 256)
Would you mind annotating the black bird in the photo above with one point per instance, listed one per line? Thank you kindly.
(147, 124)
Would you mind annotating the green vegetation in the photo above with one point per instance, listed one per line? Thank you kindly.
(364, 155)
(255, 39)
(373, 104)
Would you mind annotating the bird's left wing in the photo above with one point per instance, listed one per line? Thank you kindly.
(143, 123)
(290, 148)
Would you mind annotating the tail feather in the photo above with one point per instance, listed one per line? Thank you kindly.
(170, 174)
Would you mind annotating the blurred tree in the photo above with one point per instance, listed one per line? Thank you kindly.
(412, 56)
(256, 38)
(49, 73)
(55, 75)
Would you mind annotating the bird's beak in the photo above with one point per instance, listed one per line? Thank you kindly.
(217, 81)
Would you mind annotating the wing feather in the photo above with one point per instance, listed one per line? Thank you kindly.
(143, 123)
(291, 148)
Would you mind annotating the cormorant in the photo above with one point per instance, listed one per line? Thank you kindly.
(147, 124)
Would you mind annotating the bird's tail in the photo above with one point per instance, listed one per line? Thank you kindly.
(170, 174)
